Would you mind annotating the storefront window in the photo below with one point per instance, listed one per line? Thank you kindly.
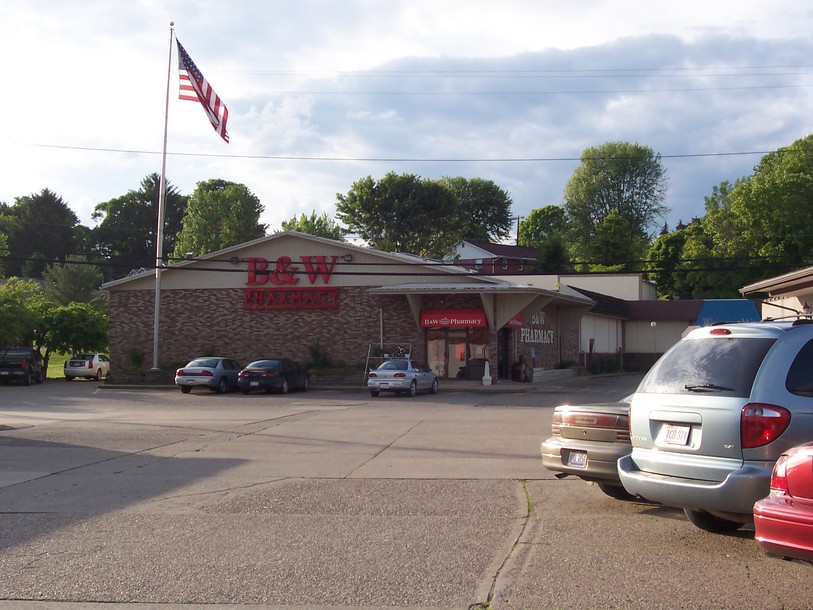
(436, 351)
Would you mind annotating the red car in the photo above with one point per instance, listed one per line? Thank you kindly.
(783, 522)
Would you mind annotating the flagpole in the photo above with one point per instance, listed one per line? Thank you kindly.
(159, 234)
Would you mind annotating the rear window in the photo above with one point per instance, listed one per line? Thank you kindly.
(721, 365)
(394, 365)
(800, 375)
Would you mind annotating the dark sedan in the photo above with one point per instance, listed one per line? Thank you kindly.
(273, 375)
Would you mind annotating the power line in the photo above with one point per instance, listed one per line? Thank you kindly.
(386, 159)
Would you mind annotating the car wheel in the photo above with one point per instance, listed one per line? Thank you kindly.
(374, 393)
(434, 389)
(68, 378)
(185, 389)
(413, 388)
(222, 386)
(306, 384)
(99, 375)
(616, 491)
(283, 389)
(711, 523)
(27, 379)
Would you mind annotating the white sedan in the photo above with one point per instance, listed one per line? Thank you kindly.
(89, 366)
(402, 376)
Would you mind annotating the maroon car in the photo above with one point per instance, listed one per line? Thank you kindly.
(783, 522)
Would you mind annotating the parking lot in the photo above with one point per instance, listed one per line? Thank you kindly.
(151, 498)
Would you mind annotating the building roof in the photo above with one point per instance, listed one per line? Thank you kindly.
(605, 305)
(788, 283)
(503, 250)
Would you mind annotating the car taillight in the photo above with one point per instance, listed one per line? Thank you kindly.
(178, 373)
(90, 364)
(400, 375)
(371, 375)
(762, 424)
(556, 424)
(779, 476)
(206, 374)
(271, 374)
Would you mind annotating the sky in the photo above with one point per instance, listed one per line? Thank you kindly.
(322, 93)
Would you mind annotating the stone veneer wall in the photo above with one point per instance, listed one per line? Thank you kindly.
(213, 321)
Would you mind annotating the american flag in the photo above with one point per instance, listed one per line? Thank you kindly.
(195, 88)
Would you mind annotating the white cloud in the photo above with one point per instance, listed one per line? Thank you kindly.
(324, 92)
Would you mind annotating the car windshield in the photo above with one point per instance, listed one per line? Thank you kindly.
(719, 365)
(82, 357)
(393, 365)
(205, 363)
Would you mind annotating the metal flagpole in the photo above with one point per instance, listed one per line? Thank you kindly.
(159, 234)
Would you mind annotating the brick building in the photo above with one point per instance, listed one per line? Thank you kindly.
(291, 293)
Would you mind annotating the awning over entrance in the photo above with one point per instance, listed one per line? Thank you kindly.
(501, 300)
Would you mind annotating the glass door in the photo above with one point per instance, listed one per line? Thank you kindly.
(436, 351)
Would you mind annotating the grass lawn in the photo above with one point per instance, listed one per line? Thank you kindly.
(55, 366)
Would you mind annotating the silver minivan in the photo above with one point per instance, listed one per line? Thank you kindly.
(711, 417)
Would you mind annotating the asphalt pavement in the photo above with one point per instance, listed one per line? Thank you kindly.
(145, 499)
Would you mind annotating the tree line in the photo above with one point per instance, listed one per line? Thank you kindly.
(610, 219)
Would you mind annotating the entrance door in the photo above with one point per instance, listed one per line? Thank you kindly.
(436, 351)
(457, 351)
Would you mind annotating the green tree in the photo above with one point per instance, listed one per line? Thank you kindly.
(321, 226)
(402, 213)
(28, 317)
(484, 208)
(3, 253)
(219, 214)
(540, 225)
(662, 262)
(126, 236)
(616, 177)
(770, 212)
(75, 281)
(19, 319)
(552, 257)
(75, 327)
(41, 228)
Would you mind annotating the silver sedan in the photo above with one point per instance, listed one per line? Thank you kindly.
(402, 376)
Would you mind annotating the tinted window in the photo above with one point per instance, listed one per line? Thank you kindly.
(800, 375)
(718, 363)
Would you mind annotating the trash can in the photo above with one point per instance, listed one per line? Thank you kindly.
(475, 369)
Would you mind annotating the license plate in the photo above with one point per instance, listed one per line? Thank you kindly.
(676, 435)
(577, 459)
(254, 384)
(3, 372)
(384, 385)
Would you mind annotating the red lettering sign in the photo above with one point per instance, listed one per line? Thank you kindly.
(285, 272)
(290, 298)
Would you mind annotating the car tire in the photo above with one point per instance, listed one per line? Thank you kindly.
(413, 388)
(306, 384)
(98, 375)
(434, 388)
(185, 389)
(68, 378)
(222, 386)
(27, 379)
(711, 523)
(616, 491)
(374, 393)
(283, 389)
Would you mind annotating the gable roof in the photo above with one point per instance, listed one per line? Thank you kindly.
(501, 250)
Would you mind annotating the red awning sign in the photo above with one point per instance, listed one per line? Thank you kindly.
(449, 318)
